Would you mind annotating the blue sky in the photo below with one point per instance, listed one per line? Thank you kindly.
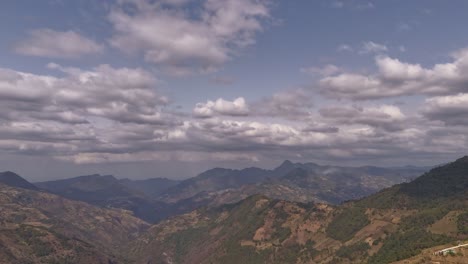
(172, 87)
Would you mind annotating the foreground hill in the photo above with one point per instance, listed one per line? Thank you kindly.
(392, 225)
(39, 227)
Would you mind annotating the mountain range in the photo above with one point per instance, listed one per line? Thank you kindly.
(49, 222)
(155, 199)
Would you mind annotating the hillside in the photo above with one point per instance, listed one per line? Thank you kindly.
(39, 227)
(392, 225)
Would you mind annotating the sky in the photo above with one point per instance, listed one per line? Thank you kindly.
(169, 88)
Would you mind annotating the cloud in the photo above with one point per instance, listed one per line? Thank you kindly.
(238, 107)
(451, 110)
(337, 4)
(184, 42)
(57, 44)
(122, 95)
(396, 78)
(327, 70)
(292, 104)
(386, 117)
(372, 47)
(358, 5)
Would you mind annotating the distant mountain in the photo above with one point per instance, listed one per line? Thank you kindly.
(391, 225)
(39, 227)
(155, 199)
(300, 182)
(150, 187)
(107, 191)
(214, 180)
(14, 180)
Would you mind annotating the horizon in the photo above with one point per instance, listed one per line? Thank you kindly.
(123, 177)
(171, 88)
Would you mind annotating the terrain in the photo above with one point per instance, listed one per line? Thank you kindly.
(395, 224)
(405, 223)
(39, 227)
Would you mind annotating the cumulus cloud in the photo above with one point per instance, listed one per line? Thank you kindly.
(107, 114)
(451, 110)
(57, 44)
(122, 95)
(238, 107)
(184, 42)
(397, 78)
(387, 117)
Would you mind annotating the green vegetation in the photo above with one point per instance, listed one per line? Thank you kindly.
(353, 252)
(445, 181)
(403, 245)
(412, 237)
(346, 224)
(32, 236)
(462, 223)
(186, 239)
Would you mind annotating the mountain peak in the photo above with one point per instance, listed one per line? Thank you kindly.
(287, 163)
(14, 180)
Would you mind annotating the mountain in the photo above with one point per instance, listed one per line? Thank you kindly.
(39, 227)
(299, 182)
(155, 199)
(214, 180)
(150, 187)
(394, 224)
(14, 180)
(107, 191)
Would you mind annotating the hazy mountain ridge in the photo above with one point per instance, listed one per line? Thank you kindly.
(300, 182)
(159, 198)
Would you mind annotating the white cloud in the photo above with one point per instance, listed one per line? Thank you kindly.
(451, 110)
(238, 107)
(123, 95)
(183, 42)
(397, 78)
(57, 44)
